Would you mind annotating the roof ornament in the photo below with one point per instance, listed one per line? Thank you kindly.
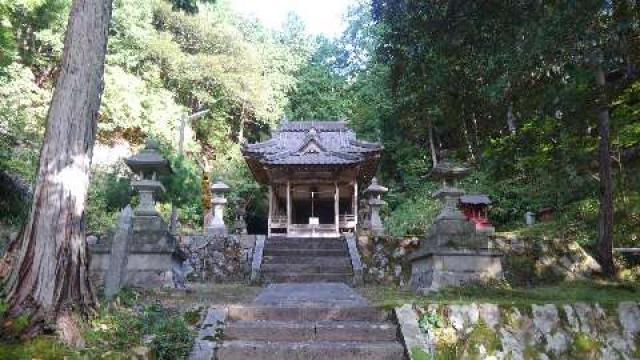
(285, 119)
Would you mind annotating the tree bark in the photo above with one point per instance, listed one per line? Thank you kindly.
(432, 145)
(49, 272)
(511, 119)
(604, 246)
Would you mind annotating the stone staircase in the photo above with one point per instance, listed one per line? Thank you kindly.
(298, 260)
(311, 322)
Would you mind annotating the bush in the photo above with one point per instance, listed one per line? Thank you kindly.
(414, 213)
(109, 192)
(123, 328)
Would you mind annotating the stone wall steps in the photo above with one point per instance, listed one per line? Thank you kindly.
(308, 244)
(290, 260)
(311, 313)
(320, 350)
(307, 277)
(310, 331)
(342, 268)
(270, 251)
(308, 260)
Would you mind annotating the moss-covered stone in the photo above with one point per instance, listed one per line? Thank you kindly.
(532, 352)
(419, 354)
(482, 336)
(586, 347)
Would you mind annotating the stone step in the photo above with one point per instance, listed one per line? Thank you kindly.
(310, 277)
(316, 350)
(309, 313)
(304, 252)
(308, 260)
(306, 268)
(310, 331)
(283, 238)
(306, 244)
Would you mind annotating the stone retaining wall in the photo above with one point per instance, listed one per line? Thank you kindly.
(385, 258)
(218, 258)
(547, 331)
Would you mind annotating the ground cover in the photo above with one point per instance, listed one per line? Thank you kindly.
(137, 323)
(602, 292)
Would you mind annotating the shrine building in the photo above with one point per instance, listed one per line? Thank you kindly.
(313, 170)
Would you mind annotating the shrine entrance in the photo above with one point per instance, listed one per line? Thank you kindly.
(312, 170)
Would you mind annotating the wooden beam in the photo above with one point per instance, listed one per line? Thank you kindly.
(337, 208)
(355, 201)
(288, 208)
(270, 210)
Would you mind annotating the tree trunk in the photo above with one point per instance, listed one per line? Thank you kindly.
(605, 219)
(432, 146)
(511, 119)
(49, 276)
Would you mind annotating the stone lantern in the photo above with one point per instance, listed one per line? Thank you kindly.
(363, 214)
(453, 252)
(374, 193)
(241, 212)
(139, 252)
(218, 201)
(148, 164)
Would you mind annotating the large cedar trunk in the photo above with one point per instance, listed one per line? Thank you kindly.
(605, 221)
(48, 275)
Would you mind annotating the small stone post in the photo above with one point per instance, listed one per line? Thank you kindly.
(375, 191)
(118, 260)
(241, 212)
(218, 202)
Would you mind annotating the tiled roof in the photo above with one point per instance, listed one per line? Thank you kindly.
(476, 199)
(312, 143)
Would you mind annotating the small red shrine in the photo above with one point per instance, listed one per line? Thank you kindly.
(476, 209)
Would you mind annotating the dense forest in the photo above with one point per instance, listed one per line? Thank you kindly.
(542, 99)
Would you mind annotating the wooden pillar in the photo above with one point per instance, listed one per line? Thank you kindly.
(270, 211)
(337, 208)
(355, 202)
(288, 207)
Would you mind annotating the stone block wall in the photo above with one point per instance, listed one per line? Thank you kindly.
(546, 331)
(385, 258)
(218, 258)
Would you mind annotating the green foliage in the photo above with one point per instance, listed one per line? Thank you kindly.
(429, 321)
(43, 347)
(485, 336)
(109, 192)
(419, 354)
(173, 340)
(584, 346)
(413, 213)
(566, 292)
(192, 317)
(321, 92)
(122, 328)
(189, 6)
(23, 107)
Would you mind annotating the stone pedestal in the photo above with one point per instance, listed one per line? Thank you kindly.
(453, 252)
(433, 270)
(139, 252)
(149, 255)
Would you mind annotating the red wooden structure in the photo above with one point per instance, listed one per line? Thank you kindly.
(476, 209)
